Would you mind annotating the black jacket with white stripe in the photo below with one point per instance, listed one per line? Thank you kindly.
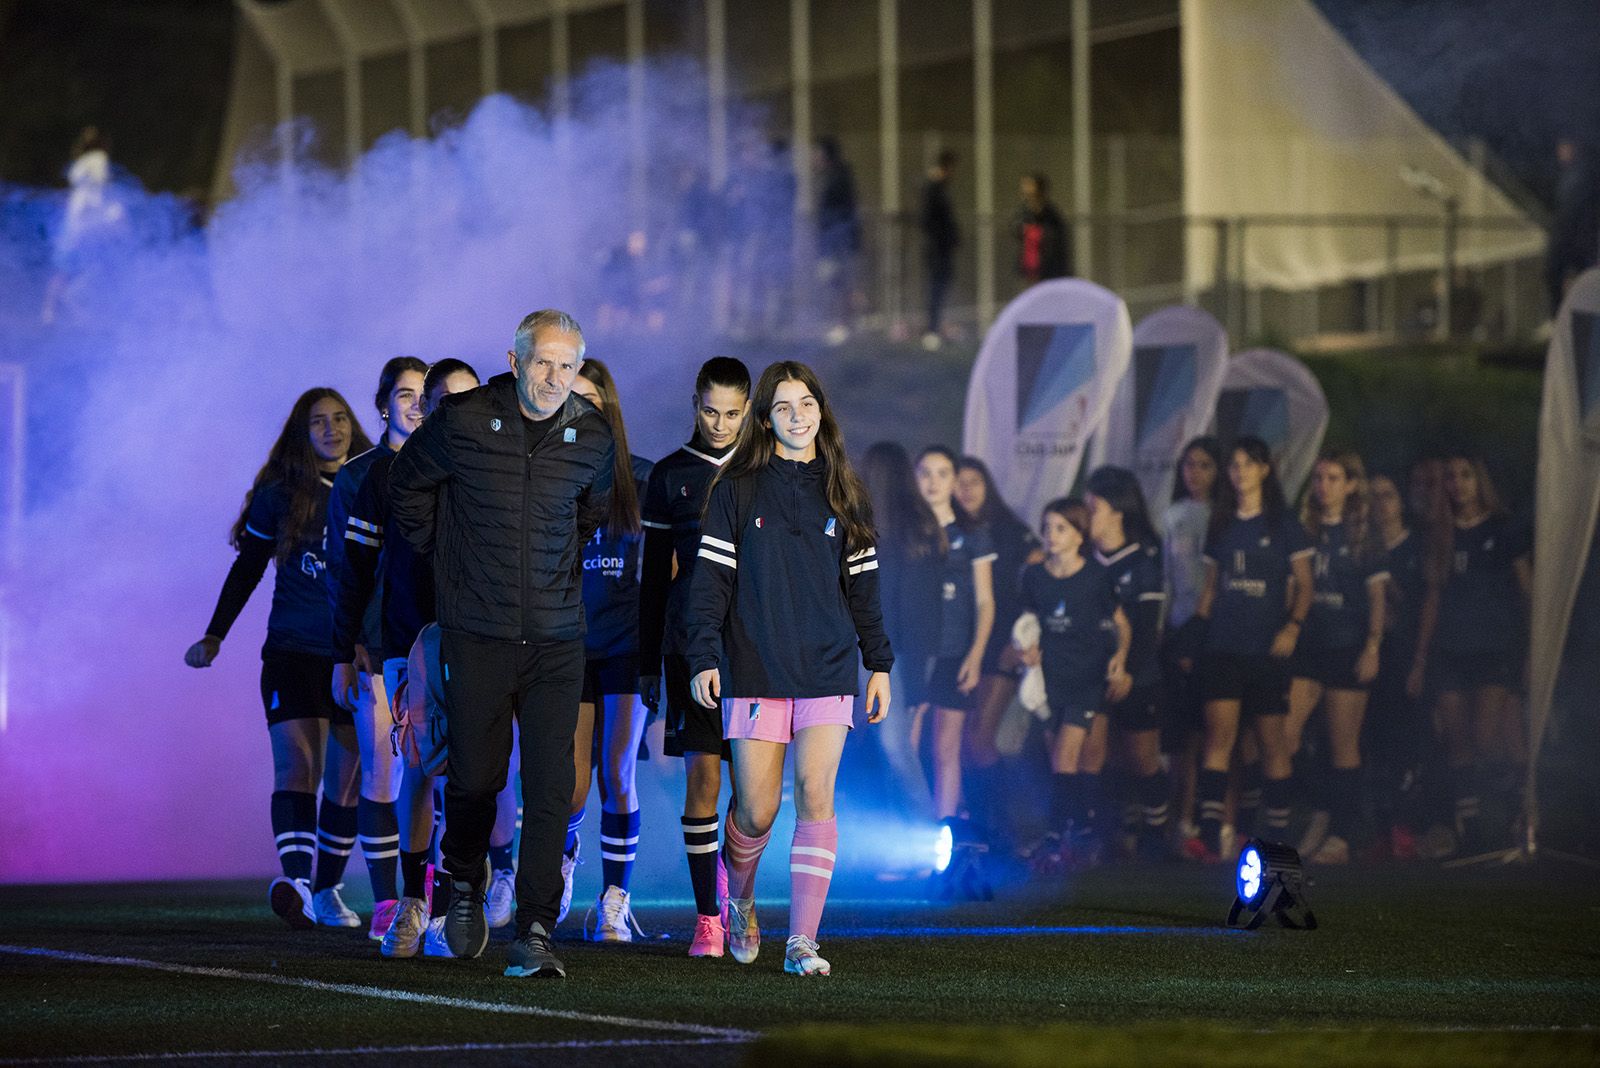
(777, 601)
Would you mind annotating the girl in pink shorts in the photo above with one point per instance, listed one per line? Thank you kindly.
(784, 594)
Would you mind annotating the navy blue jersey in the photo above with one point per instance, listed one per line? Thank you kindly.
(1136, 579)
(1077, 631)
(958, 619)
(1341, 590)
(373, 563)
(1407, 587)
(1252, 558)
(611, 585)
(1481, 607)
(342, 498)
(674, 497)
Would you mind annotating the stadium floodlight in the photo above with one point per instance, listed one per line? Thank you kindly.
(944, 845)
(1270, 881)
(958, 852)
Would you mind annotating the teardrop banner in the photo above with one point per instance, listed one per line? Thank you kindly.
(1270, 395)
(1041, 387)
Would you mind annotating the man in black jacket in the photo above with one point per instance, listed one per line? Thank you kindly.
(504, 484)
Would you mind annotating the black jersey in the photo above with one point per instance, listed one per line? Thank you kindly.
(611, 585)
(1252, 558)
(1342, 580)
(341, 499)
(375, 561)
(778, 602)
(1406, 589)
(1136, 579)
(674, 497)
(958, 618)
(1481, 607)
(1077, 629)
(300, 620)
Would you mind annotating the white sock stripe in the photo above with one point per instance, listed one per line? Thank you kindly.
(329, 836)
(709, 825)
(707, 847)
(380, 855)
(742, 855)
(812, 851)
(374, 840)
(295, 849)
(309, 836)
(608, 840)
(617, 856)
(807, 869)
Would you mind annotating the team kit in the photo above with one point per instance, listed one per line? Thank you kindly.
(497, 593)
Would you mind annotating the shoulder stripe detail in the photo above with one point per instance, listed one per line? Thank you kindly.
(870, 565)
(871, 550)
(362, 524)
(717, 461)
(248, 529)
(655, 526)
(350, 535)
(718, 543)
(1153, 595)
(718, 557)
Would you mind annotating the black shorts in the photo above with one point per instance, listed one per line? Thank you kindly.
(1333, 668)
(299, 686)
(1075, 706)
(1457, 672)
(935, 685)
(605, 676)
(691, 727)
(1139, 711)
(1259, 683)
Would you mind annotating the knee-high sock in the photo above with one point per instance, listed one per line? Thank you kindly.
(700, 846)
(1152, 791)
(294, 825)
(1211, 791)
(379, 831)
(1344, 802)
(811, 860)
(742, 854)
(1066, 809)
(619, 844)
(336, 837)
(1092, 802)
(571, 848)
(1469, 800)
(1248, 811)
(1275, 806)
(414, 873)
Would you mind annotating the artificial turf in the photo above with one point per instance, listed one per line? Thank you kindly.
(1126, 965)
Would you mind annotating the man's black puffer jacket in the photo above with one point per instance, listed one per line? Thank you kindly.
(506, 529)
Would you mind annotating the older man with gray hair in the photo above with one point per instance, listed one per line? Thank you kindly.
(503, 485)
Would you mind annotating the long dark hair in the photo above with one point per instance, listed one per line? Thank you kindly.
(1359, 526)
(293, 462)
(1442, 532)
(995, 512)
(1119, 488)
(624, 517)
(1212, 448)
(392, 370)
(756, 444)
(904, 518)
(1272, 503)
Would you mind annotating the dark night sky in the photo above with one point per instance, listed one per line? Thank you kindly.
(1518, 73)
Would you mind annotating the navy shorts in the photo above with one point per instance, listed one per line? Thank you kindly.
(299, 686)
(1260, 683)
(606, 676)
(690, 726)
(1457, 672)
(935, 685)
(1333, 668)
(1139, 711)
(1076, 704)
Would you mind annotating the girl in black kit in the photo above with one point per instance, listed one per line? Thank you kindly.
(1082, 648)
(1472, 645)
(284, 521)
(611, 716)
(1253, 606)
(1339, 652)
(786, 588)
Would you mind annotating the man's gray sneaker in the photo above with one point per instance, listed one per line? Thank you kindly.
(531, 954)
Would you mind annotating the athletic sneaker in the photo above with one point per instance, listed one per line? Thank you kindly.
(569, 867)
(708, 937)
(744, 934)
(291, 900)
(800, 957)
(502, 897)
(1316, 833)
(611, 919)
(466, 928)
(1196, 849)
(531, 954)
(722, 891)
(330, 909)
(1334, 850)
(433, 943)
(403, 939)
(382, 917)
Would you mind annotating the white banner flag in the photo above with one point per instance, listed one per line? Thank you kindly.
(1270, 395)
(1041, 387)
(1168, 396)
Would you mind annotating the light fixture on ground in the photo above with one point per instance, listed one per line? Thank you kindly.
(1269, 881)
(958, 852)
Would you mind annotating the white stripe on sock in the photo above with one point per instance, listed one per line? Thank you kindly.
(295, 849)
(812, 851)
(708, 847)
(806, 869)
(616, 856)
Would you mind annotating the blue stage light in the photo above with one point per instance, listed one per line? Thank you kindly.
(1269, 881)
(1249, 875)
(943, 848)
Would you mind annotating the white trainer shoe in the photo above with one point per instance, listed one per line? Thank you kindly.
(291, 900)
(569, 867)
(433, 943)
(744, 933)
(611, 919)
(330, 909)
(800, 958)
(502, 904)
(404, 937)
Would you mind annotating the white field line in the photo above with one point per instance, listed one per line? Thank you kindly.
(371, 1051)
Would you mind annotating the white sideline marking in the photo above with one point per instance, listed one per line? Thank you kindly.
(371, 1051)
(359, 990)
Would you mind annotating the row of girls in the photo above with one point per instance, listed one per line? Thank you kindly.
(1341, 676)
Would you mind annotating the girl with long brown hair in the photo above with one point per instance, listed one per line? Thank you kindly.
(1337, 657)
(785, 590)
(284, 521)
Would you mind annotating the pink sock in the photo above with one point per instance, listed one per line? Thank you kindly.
(741, 853)
(811, 860)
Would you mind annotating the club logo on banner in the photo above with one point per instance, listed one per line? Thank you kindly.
(1167, 398)
(1273, 396)
(1041, 387)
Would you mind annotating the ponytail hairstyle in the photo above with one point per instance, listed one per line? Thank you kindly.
(624, 518)
(723, 371)
(1360, 529)
(1273, 505)
(904, 518)
(754, 448)
(1075, 512)
(1119, 488)
(293, 462)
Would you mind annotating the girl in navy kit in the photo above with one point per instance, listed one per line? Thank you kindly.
(1338, 654)
(785, 588)
(1082, 650)
(1252, 609)
(284, 521)
(945, 684)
